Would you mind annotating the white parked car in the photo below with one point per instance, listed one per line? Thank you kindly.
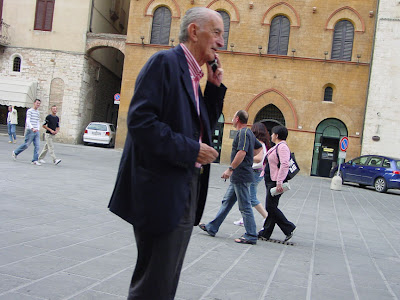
(99, 133)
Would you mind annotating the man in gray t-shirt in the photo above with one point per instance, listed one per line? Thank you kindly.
(241, 175)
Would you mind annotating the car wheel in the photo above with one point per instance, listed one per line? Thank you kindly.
(380, 185)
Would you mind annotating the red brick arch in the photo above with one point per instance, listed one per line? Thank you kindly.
(356, 24)
(235, 18)
(295, 18)
(176, 11)
(294, 114)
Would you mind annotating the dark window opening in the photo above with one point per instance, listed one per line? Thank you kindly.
(17, 64)
(328, 94)
(44, 15)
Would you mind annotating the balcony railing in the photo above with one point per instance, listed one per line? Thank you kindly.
(4, 37)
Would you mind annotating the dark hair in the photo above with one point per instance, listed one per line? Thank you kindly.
(243, 116)
(37, 100)
(261, 133)
(281, 131)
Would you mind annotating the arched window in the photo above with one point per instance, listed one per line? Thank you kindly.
(328, 94)
(161, 26)
(227, 23)
(342, 44)
(279, 36)
(17, 64)
(272, 113)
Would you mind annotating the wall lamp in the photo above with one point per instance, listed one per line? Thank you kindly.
(232, 45)
(259, 49)
(142, 38)
(293, 52)
(325, 53)
(358, 58)
(172, 42)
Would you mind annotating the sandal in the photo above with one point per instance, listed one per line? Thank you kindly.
(203, 227)
(243, 240)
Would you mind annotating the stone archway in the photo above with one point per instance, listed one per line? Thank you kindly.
(103, 40)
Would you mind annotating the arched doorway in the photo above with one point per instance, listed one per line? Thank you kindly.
(270, 116)
(326, 146)
(216, 141)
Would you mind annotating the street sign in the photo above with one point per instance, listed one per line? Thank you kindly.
(342, 154)
(117, 98)
(344, 143)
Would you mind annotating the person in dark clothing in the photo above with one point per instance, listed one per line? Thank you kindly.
(52, 126)
(276, 171)
(162, 181)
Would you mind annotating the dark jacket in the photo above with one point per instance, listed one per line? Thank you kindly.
(162, 144)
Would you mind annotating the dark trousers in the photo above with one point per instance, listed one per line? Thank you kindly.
(160, 257)
(275, 215)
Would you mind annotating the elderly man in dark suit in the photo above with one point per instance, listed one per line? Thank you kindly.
(162, 182)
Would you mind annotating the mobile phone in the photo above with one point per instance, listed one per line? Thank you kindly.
(213, 64)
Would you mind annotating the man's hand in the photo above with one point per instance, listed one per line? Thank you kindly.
(227, 174)
(206, 154)
(217, 76)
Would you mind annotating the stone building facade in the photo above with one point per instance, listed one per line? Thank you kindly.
(74, 65)
(318, 95)
(381, 133)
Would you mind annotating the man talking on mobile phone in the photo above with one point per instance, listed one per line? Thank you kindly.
(162, 182)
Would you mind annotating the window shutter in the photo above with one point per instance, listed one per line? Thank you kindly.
(40, 14)
(284, 35)
(342, 44)
(48, 21)
(44, 15)
(279, 36)
(227, 23)
(161, 26)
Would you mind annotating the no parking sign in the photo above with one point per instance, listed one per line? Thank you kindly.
(344, 143)
(117, 98)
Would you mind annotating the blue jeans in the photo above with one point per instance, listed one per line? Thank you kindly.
(30, 137)
(11, 131)
(253, 187)
(236, 192)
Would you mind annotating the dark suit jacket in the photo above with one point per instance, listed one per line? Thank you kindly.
(161, 148)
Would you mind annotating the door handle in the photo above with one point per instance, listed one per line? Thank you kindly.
(361, 167)
(378, 169)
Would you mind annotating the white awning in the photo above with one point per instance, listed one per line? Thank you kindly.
(17, 92)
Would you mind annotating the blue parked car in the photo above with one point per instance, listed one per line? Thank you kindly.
(381, 172)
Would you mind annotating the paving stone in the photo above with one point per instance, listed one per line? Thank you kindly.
(69, 246)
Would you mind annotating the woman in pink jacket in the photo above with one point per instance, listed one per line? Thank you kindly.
(276, 170)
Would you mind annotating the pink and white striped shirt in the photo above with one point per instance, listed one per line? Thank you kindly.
(196, 73)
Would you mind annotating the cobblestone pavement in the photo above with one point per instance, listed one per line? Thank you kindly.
(59, 241)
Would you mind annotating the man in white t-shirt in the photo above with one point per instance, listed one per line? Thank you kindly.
(32, 125)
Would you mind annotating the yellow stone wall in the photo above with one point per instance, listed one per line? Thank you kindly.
(294, 84)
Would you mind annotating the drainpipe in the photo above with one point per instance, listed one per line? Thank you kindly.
(91, 16)
(370, 72)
